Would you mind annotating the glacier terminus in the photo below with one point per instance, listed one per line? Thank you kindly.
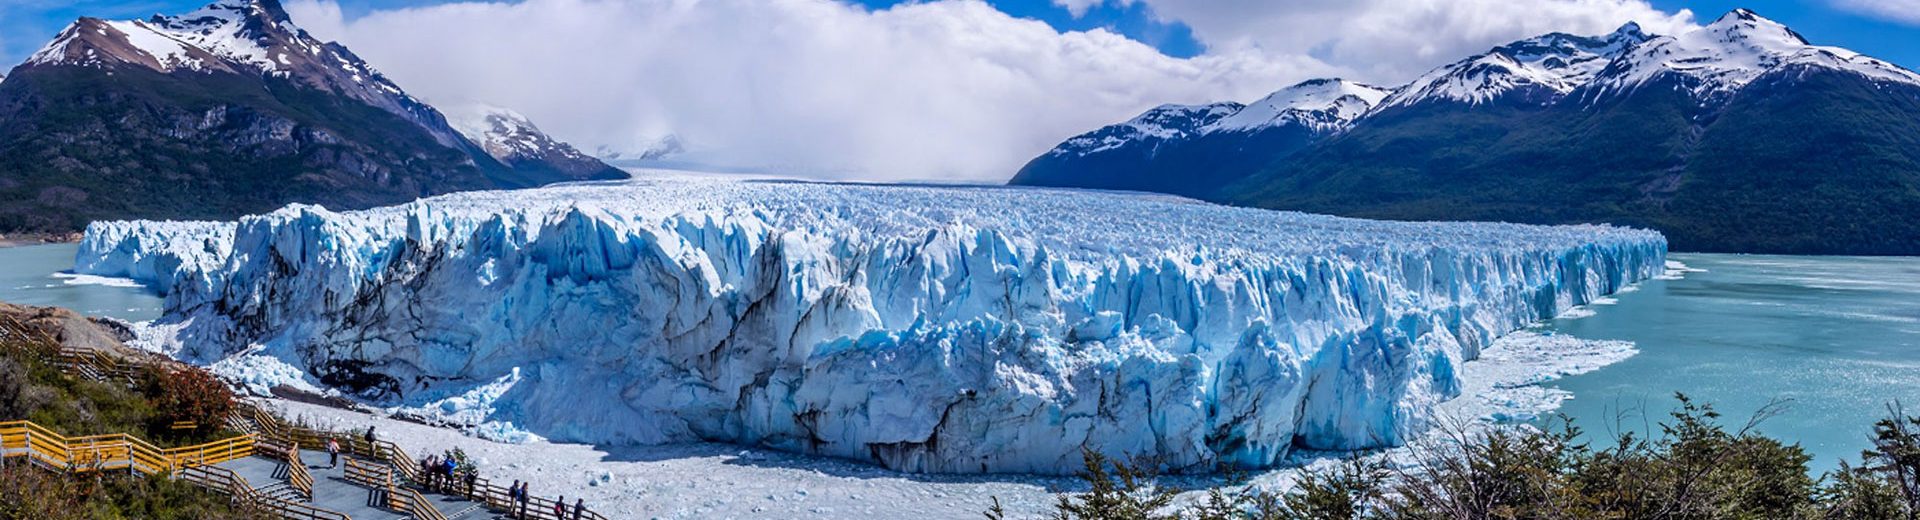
(922, 328)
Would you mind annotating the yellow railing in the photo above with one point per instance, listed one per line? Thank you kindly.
(403, 465)
(115, 451)
(122, 451)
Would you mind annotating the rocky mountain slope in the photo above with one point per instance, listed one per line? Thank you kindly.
(1737, 136)
(223, 111)
(1208, 145)
(513, 140)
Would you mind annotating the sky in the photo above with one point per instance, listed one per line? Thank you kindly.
(927, 90)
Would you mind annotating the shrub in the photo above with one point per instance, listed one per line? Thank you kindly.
(189, 394)
(1694, 468)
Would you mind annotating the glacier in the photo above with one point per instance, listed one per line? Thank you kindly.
(922, 328)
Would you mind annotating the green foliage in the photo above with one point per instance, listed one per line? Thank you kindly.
(188, 394)
(28, 493)
(1125, 493)
(33, 390)
(1694, 468)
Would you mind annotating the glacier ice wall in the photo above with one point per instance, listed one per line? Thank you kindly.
(934, 329)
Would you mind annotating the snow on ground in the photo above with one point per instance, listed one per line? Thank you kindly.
(925, 328)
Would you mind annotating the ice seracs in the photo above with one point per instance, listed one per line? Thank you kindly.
(943, 329)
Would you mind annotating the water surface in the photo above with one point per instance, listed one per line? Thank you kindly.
(1838, 336)
(38, 275)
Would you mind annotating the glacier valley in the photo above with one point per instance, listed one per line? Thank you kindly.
(921, 328)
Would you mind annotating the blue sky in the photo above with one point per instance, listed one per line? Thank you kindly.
(26, 24)
(915, 90)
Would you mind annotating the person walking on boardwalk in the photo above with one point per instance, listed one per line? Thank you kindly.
(523, 498)
(513, 496)
(560, 507)
(333, 454)
(579, 508)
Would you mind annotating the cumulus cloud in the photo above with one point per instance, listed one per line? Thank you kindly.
(1900, 11)
(939, 90)
(1392, 41)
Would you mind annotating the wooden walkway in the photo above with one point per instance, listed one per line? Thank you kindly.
(260, 469)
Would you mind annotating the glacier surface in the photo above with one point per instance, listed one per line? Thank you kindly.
(927, 329)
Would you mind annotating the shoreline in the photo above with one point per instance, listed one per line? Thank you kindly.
(39, 238)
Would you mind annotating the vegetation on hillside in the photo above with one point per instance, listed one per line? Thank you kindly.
(34, 390)
(28, 493)
(1693, 468)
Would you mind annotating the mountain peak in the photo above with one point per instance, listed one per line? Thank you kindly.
(1325, 104)
(1741, 46)
(1745, 24)
(1539, 70)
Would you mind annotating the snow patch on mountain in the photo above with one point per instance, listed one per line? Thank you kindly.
(1542, 68)
(940, 329)
(1325, 105)
(1733, 51)
(1163, 123)
(1322, 106)
(508, 136)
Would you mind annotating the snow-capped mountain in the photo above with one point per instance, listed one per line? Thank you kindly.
(225, 110)
(1721, 58)
(1535, 70)
(1705, 134)
(239, 37)
(927, 329)
(1324, 105)
(513, 140)
(1202, 140)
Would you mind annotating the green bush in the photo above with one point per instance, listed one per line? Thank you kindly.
(28, 493)
(1694, 468)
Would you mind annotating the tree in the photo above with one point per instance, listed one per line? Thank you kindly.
(188, 394)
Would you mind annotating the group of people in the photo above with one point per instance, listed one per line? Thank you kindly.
(517, 495)
(443, 474)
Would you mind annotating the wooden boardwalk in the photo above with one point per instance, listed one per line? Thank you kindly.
(252, 468)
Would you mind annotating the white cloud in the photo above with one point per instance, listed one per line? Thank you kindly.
(944, 89)
(1079, 7)
(1900, 11)
(1392, 41)
(939, 90)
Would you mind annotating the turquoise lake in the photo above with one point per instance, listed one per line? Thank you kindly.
(33, 275)
(1839, 337)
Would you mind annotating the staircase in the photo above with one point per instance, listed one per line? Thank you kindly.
(477, 510)
(282, 491)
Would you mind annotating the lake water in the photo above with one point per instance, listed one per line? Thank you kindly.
(1840, 337)
(35, 275)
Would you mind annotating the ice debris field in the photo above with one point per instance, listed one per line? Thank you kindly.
(921, 328)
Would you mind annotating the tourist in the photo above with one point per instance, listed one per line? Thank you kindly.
(560, 507)
(470, 477)
(370, 438)
(333, 454)
(523, 498)
(579, 508)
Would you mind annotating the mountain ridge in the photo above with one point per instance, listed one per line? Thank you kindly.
(1626, 128)
(226, 110)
